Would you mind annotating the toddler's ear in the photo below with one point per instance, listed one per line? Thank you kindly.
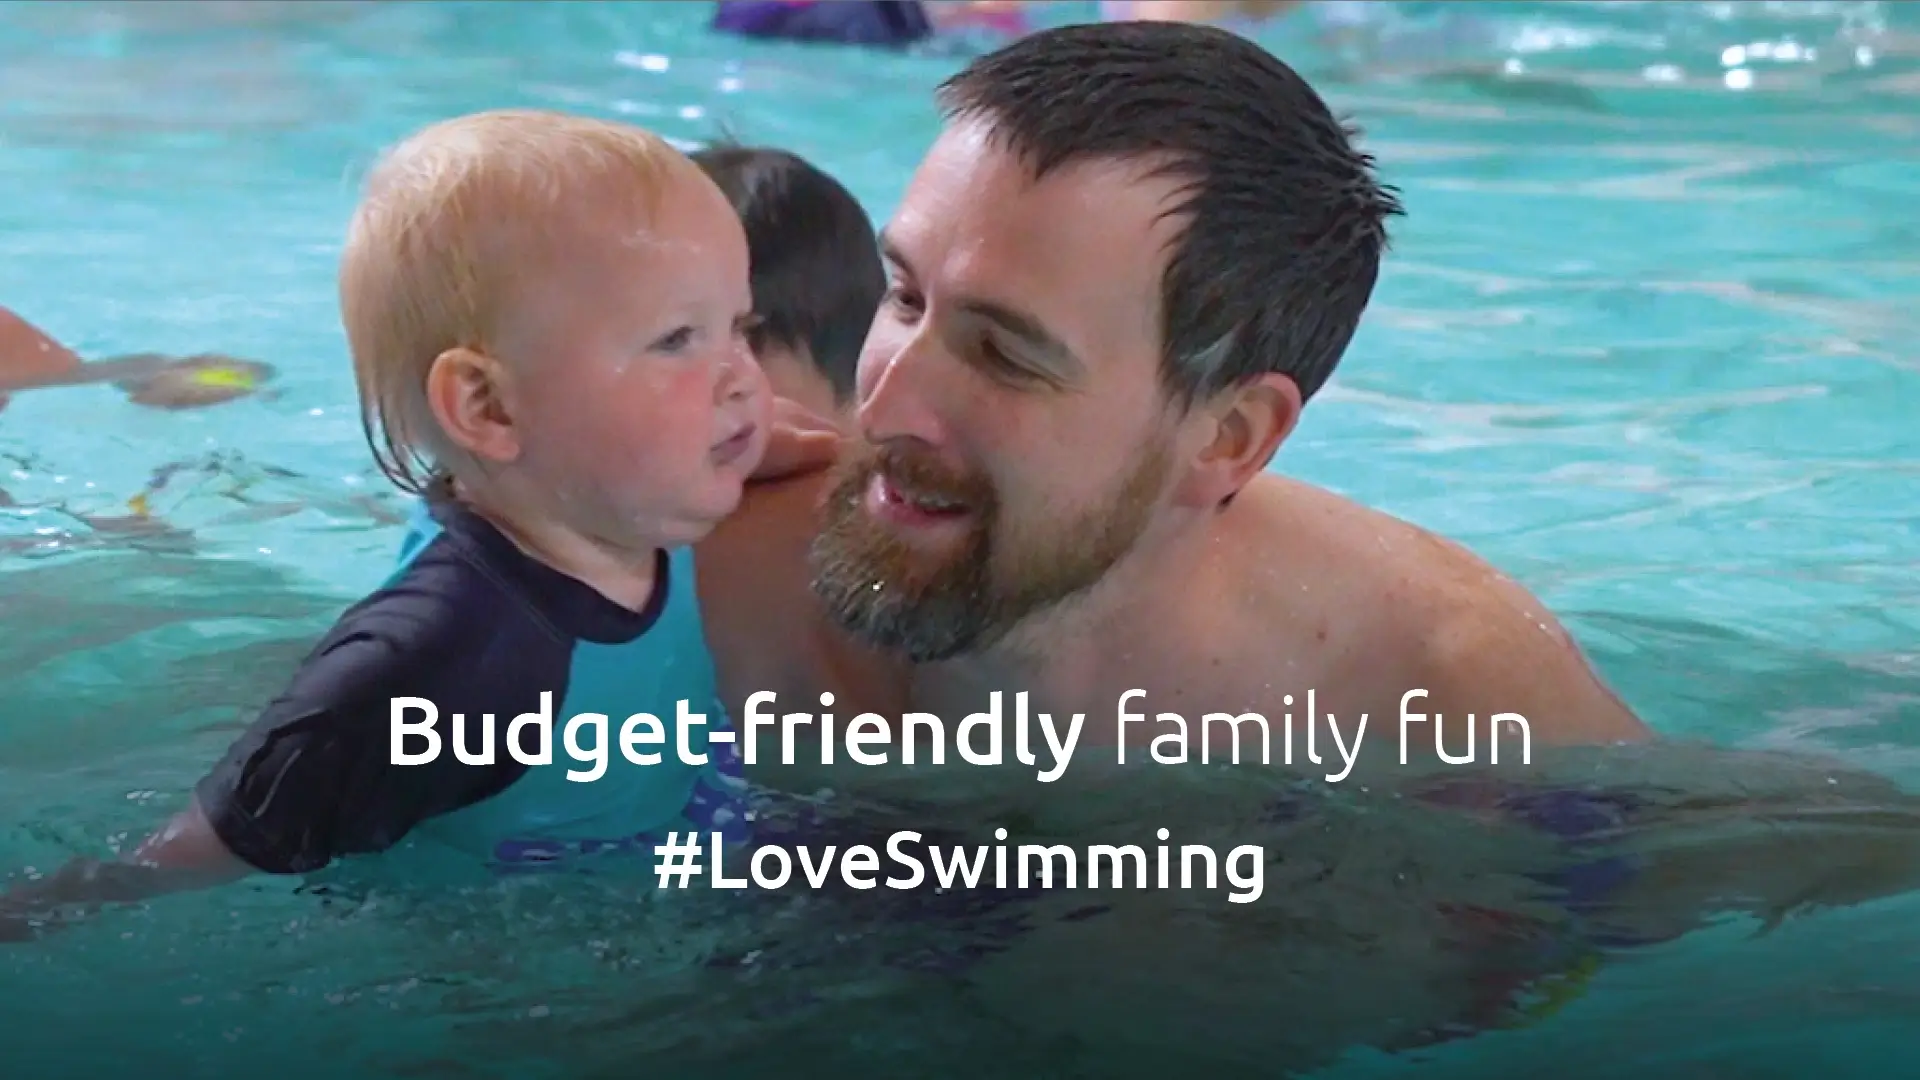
(467, 392)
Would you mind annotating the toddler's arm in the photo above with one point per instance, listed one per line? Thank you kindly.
(186, 854)
(313, 779)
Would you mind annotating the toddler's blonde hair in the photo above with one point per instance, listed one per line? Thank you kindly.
(445, 240)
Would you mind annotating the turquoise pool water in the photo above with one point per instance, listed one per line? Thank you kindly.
(1646, 342)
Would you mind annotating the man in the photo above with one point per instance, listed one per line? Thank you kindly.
(1131, 257)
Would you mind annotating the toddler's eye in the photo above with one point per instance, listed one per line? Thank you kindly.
(675, 341)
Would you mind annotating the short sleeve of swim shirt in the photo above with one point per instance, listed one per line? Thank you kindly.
(313, 779)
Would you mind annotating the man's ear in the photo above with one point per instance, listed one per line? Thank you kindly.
(471, 395)
(1244, 427)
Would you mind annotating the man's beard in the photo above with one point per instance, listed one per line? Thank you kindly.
(937, 607)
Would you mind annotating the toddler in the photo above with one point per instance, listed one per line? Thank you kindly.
(548, 320)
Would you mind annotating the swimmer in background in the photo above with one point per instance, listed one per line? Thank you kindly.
(1245, 12)
(877, 23)
(817, 278)
(28, 353)
(547, 319)
(32, 358)
(1341, 25)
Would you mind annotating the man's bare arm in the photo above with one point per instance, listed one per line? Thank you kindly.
(1788, 854)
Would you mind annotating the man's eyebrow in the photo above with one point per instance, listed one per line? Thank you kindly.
(1028, 329)
(1031, 333)
(890, 251)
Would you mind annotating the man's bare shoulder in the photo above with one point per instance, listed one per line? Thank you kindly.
(764, 627)
(1387, 580)
(790, 507)
(1423, 611)
(758, 555)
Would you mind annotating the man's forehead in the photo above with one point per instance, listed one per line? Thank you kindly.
(1079, 252)
(970, 152)
(972, 192)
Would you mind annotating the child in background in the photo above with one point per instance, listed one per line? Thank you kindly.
(547, 316)
(817, 278)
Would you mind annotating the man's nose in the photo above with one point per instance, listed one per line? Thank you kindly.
(904, 396)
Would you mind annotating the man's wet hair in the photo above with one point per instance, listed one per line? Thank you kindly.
(1285, 224)
(817, 278)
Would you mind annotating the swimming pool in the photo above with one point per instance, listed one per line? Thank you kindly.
(1646, 342)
